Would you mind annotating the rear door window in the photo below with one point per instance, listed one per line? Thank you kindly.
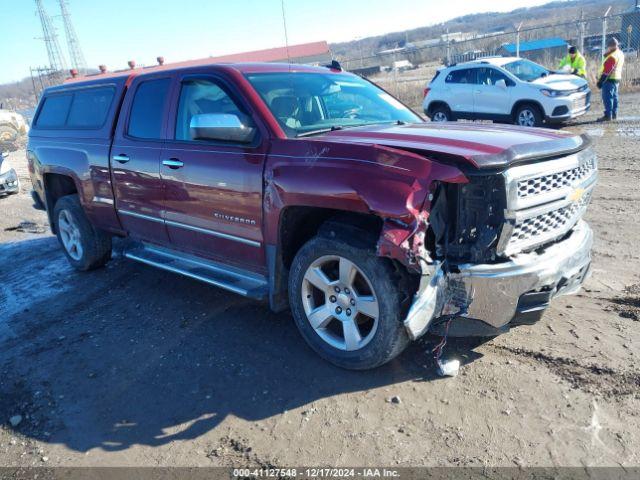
(147, 109)
(464, 75)
(54, 111)
(89, 108)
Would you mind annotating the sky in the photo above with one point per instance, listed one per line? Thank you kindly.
(111, 32)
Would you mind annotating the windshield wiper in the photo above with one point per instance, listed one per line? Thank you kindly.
(319, 131)
(342, 127)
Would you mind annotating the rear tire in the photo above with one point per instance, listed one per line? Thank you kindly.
(528, 115)
(379, 333)
(85, 246)
(441, 113)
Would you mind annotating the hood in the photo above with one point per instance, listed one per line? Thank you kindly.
(479, 145)
(560, 82)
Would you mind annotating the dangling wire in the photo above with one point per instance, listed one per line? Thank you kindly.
(438, 349)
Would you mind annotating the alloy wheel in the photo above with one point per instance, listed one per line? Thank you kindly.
(526, 118)
(70, 235)
(340, 303)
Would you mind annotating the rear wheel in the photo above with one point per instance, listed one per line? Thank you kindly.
(85, 246)
(347, 304)
(528, 115)
(441, 113)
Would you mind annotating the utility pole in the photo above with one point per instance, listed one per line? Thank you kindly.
(604, 31)
(56, 60)
(581, 30)
(518, 39)
(75, 52)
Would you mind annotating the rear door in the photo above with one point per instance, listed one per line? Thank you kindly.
(489, 99)
(213, 190)
(459, 86)
(135, 159)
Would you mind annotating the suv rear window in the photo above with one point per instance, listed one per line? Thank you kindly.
(145, 120)
(76, 110)
(464, 75)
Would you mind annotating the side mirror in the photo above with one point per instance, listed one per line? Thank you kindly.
(223, 127)
(501, 83)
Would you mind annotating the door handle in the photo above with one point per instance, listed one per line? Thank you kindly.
(121, 158)
(173, 163)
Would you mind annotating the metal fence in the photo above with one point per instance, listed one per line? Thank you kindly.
(546, 44)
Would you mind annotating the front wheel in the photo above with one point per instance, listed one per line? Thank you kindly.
(85, 246)
(528, 116)
(346, 302)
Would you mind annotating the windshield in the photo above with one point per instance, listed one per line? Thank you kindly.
(526, 70)
(309, 103)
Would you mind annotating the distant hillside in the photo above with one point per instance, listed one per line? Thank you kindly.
(554, 12)
(17, 95)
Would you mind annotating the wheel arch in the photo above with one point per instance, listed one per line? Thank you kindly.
(522, 102)
(297, 225)
(56, 186)
(437, 103)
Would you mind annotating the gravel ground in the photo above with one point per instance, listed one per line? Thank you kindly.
(132, 366)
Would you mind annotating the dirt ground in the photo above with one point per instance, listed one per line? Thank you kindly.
(132, 366)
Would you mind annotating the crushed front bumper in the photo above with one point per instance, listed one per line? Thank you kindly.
(496, 294)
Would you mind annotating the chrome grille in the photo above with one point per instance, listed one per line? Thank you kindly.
(548, 225)
(545, 200)
(555, 181)
(579, 103)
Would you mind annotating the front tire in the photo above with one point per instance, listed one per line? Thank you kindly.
(347, 304)
(528, 115)
(85, 246)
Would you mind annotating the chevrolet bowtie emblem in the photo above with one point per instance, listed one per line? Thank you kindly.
(577, 194)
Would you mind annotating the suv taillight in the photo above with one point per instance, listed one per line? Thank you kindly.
(426, 92)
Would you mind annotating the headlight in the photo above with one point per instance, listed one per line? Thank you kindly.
(5, 166)
(553, 93)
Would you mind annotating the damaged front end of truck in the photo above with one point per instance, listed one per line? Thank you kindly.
(492, 251)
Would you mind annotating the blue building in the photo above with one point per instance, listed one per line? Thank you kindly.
(538, 50)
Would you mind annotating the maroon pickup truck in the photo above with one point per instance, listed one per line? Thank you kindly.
(316, 190)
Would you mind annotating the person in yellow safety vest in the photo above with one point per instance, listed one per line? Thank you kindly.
(575, 61)
(610, 75)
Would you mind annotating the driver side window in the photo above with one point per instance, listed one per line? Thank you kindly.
(200, 97)
(490, 76)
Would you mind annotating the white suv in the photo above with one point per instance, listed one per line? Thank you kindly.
(505, 89)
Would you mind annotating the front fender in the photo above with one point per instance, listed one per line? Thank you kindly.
(390, 183)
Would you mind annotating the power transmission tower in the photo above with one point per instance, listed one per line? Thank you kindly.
(75, 52)
(50, 37)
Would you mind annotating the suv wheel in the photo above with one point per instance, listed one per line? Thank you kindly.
(86, 247)
(347, 304)
(440, 113)
(528, 116)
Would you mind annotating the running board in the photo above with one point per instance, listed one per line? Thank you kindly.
(239, 281)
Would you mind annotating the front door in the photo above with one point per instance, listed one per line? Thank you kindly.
(213, 190)
(135, 160)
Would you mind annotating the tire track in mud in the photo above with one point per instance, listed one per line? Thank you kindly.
(593, 379)
(31, 278)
